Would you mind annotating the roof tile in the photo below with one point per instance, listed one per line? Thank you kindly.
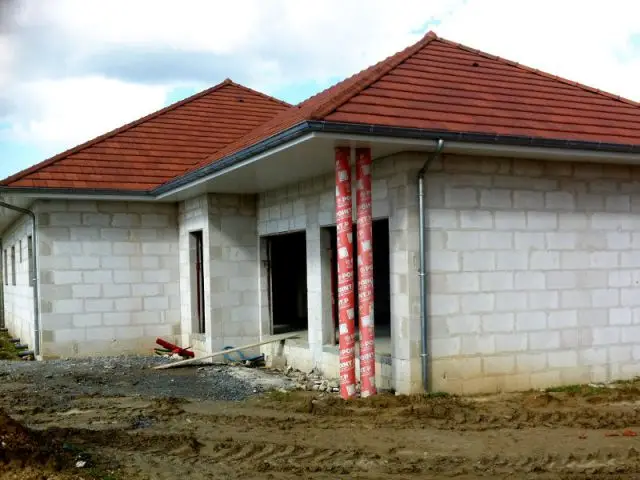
(147, 152)
(440, 85)
(434, 85)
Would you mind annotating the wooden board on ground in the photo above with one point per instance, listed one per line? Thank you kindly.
(265, 341)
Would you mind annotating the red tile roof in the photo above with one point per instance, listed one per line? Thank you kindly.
(440, 85)
(158, 147)
(450, 87)
(434, 85)
(321, 104)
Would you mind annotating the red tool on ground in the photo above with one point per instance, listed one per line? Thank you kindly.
(183, 352)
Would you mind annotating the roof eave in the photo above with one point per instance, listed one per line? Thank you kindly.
(484, 142)
(78, 194)
(469, 137)
(233, 159)
(379, 131)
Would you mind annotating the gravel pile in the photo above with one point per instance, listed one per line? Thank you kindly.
(119, 376)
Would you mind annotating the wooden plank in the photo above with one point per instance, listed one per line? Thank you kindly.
(267, 340)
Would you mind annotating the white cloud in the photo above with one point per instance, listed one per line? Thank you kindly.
(187, 25)
(6, 61)
(56, 114)
(584, 41)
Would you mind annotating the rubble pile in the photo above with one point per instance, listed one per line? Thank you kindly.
(312, 381)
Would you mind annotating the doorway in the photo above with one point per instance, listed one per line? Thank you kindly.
(197, 282)
(287, 258)
(381, 279)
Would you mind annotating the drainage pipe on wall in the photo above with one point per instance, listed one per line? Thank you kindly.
(34, 266)
(424, 314)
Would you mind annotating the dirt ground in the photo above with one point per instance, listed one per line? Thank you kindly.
(63, 427)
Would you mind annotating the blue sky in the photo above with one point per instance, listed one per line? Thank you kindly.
(71, 70)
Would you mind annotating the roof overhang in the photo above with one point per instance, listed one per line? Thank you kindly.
(9, 216)
(305, 151)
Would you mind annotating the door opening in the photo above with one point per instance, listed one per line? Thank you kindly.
(197, 282)
(288, 267)
(381, 280)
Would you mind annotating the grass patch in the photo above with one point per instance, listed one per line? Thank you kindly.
(578, 389)
(96, 473)
(631, 381)
(93, 471)
(437, 395)
(288, 396)
(8, 350)
(280, 396)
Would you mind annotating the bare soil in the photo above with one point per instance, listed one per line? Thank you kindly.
(586, 432)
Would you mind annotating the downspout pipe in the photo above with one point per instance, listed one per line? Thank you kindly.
(36, 287)
(424, 285)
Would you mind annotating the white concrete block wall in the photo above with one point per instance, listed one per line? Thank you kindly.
(532, 265)
(309, 206)
(231, 270)
(18, 298)
(534, 275)
(193, 216)
(234, 269)
(109, 276)
(533, 269)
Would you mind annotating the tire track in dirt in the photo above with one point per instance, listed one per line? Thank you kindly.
(533, 435)
(531, 410)
(254, 456)
(268, 457)
(417, 417)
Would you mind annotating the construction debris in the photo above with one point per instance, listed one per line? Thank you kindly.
(252, 361)
(275, 338)
(173, 351)
(312, 381)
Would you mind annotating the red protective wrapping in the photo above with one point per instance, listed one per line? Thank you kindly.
(346, 297)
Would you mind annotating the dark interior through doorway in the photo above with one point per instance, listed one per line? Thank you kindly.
(381, 279)
(197, 281)
(287, 258)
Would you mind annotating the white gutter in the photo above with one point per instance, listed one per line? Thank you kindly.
(44, 195)
(497, 150)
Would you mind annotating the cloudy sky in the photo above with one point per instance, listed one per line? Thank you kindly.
(73, 69)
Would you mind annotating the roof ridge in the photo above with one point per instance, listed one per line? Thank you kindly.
(62, 155)
(542, 73)
(251, 90)
(377, 71)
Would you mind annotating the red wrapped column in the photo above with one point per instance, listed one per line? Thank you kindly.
(346, 294)
(365, 272)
